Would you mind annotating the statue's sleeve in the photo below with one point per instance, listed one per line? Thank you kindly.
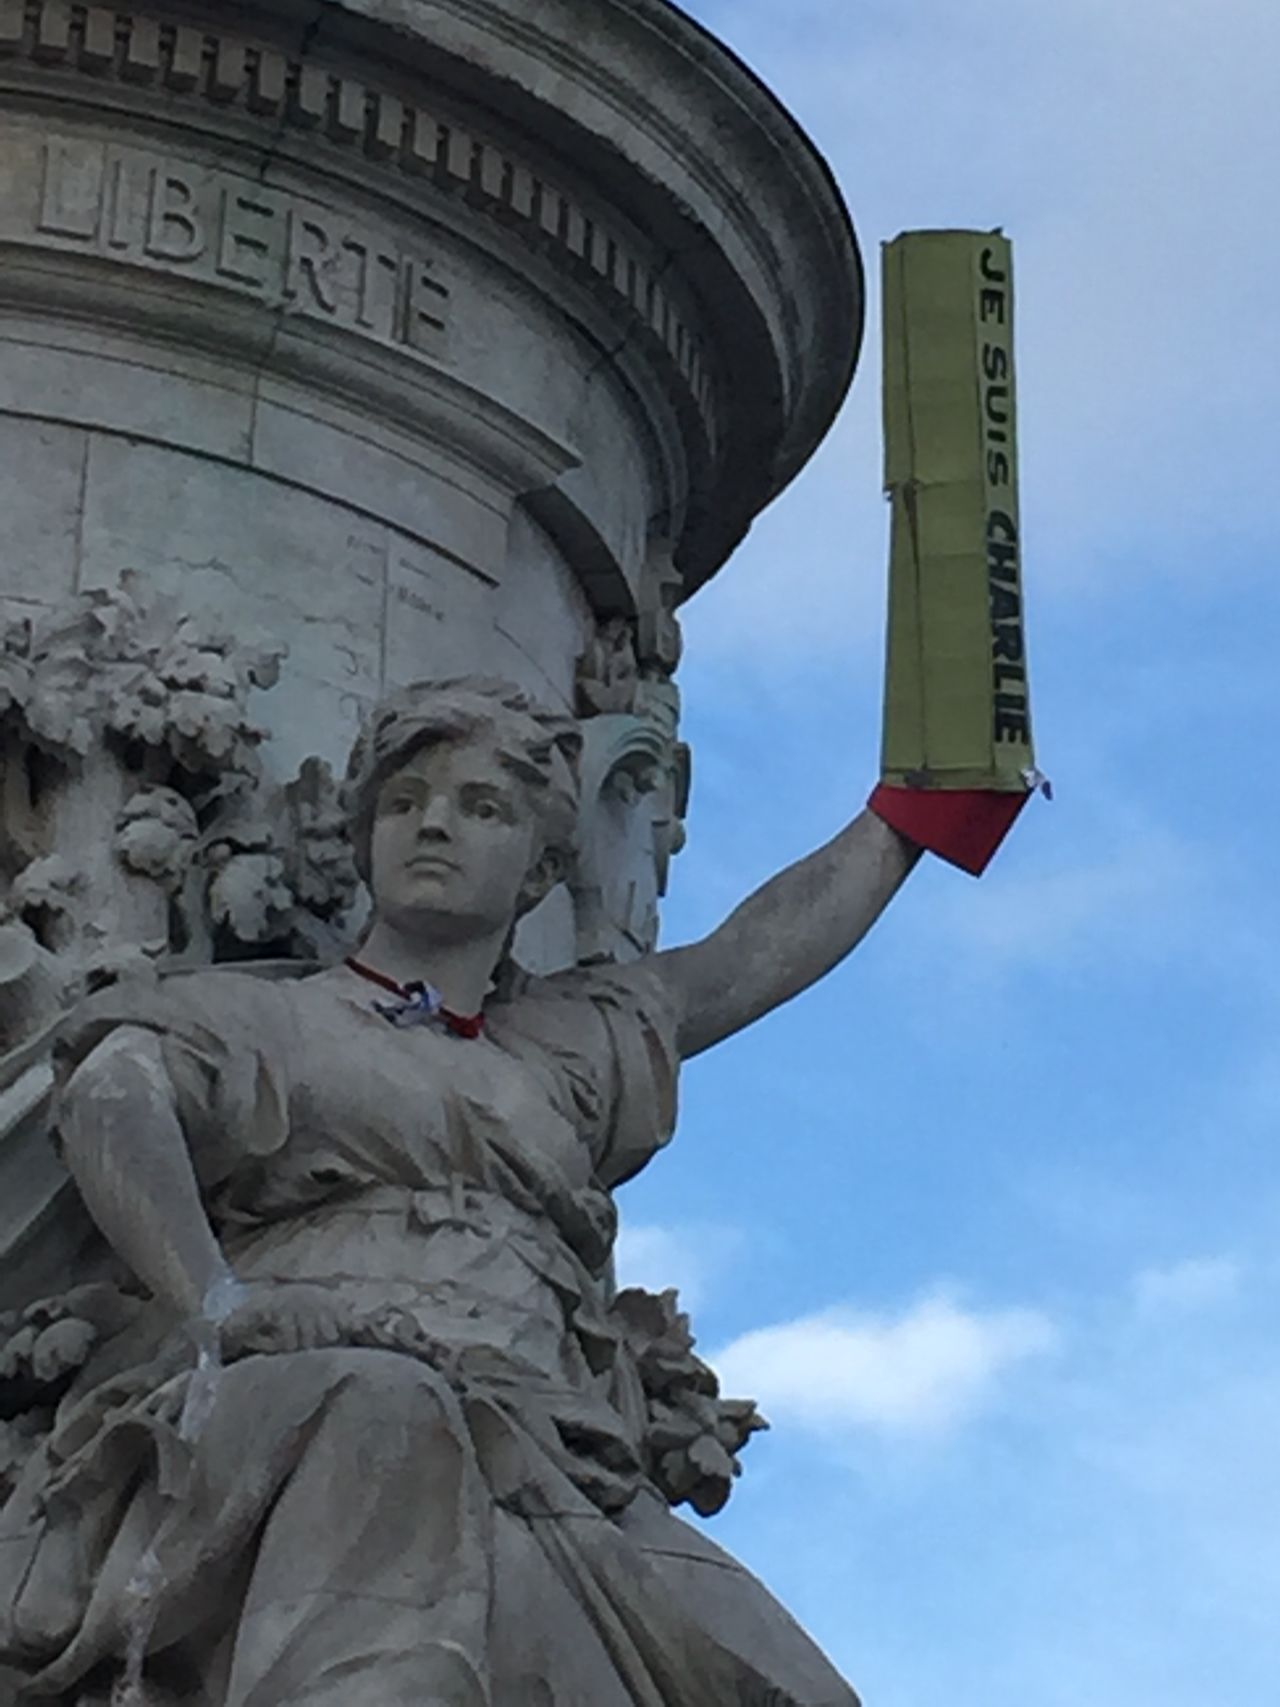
(627, 1041)
(225, 1039)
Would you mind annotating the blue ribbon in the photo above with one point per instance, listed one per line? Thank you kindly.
(421, 1004)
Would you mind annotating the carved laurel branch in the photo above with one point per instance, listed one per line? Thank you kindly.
(694, 1435)
(232, 72)
(136, 805)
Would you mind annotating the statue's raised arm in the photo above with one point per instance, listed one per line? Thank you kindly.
(788, 935)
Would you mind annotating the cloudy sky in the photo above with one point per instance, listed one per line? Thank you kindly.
(989, 1222)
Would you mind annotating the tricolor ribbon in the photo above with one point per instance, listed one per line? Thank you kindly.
(418, 1003)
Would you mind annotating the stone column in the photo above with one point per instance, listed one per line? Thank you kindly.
(421, 339)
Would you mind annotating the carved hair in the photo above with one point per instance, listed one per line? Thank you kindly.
(539, 747)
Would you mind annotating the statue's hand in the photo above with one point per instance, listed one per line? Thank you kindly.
(284, 1316)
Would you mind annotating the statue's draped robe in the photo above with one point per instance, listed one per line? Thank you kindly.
(453, 1507)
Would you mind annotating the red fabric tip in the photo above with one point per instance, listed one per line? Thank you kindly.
(962, 825)
(463, 1025)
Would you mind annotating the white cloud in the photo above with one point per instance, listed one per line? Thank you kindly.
(922, 1372)
(1123, 1516)
(1198, 1283)
(687, 1256)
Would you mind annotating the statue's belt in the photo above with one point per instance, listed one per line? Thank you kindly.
(460, 1206)
(429, 1209)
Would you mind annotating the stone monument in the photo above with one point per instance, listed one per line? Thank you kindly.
(377, 377)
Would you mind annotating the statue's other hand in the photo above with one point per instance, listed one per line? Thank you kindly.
(285, 1316)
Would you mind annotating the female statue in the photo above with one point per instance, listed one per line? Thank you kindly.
(382, 1195)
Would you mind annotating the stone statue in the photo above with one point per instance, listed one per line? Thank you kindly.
(344, 1408)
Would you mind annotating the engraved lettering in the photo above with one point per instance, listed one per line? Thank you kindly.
(141, 209)
(118, 234)
(387, 289)
(71, 194)
(424, 305)
(175, 229)
(353, 246)
(417, 601)
(310, 257)
(242, 250)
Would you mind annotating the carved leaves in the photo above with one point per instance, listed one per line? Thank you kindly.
(248, 894)
(137, 820)
(114, 664)
(282, 871)
(693, 1435)
(42, 1349)
(156, 836)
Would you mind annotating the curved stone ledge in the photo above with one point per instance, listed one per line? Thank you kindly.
(680, 177)
(707, 160)
(234, 72)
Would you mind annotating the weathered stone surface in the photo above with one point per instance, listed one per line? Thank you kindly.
(345, 345)
(43, 473)
(403, 280)
(362, 1400)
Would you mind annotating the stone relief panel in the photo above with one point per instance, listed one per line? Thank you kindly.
(365, 604)
(137, 822)
(140, 824)
(141, 821)
(313, 391)
(42, 479)
(310, 392)
(543, 610)
(255, 552)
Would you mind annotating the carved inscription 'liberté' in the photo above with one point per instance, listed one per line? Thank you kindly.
(146, 209)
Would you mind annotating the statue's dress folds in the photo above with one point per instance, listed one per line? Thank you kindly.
(451, 1505)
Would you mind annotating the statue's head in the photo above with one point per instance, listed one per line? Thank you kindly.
(462, 803)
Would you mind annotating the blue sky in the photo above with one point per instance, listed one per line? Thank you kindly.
(989, 1221)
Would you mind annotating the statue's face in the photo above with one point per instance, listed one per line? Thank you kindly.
(454, 840)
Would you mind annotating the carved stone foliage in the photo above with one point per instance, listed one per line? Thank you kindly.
(281, 872)
(140, 823)
(609, 671)
(136, 817)
(694, 1435)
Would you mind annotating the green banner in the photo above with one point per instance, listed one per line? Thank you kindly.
(957, 699)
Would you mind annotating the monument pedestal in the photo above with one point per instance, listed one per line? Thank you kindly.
(403, 339)
(422, 339)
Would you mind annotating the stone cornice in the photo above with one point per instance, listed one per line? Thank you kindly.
(232, 70)
(744, 294)
(712, 164)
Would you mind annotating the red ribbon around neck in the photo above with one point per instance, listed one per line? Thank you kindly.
(461, 1025)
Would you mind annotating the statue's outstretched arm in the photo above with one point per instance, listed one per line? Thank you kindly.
(128, 1154)
(788, 934)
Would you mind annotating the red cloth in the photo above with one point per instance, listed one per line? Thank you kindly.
(963, 825)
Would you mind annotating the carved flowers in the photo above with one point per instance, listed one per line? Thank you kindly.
(694, 1435)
